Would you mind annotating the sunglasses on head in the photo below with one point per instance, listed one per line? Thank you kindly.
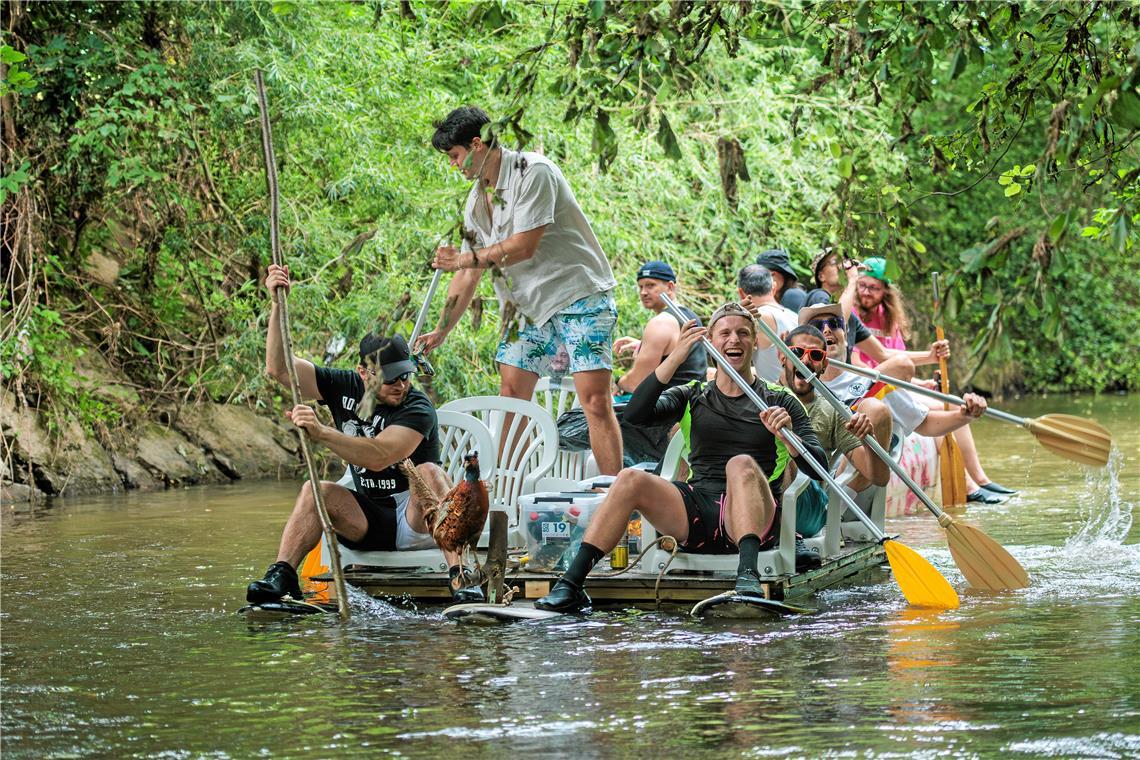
(813, 355)
(835, 324)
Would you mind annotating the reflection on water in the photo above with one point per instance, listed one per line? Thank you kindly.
(120, 638)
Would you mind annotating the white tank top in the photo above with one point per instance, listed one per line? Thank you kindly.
(766, 361)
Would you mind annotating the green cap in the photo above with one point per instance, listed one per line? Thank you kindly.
(877, 268)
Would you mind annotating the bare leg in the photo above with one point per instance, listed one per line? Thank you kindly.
(749, 506)
(965, 441)
(303, 530)
(900, 366)
(656, 498)
(593, 388)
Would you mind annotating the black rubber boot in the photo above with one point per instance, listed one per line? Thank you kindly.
(748, 584)
(564, 597)
(472, 594)
(805, 557)
(280, 580)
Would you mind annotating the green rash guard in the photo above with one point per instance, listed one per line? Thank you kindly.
(720, 427)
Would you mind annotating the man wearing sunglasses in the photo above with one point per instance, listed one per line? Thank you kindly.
(837, 437)
(907, 415)
(380, 513)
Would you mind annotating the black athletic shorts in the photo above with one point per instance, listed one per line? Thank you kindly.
(381, 516)
(707, 534)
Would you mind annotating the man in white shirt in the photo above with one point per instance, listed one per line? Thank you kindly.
(523, 223)
(756, 288)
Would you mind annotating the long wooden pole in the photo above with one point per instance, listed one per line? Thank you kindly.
(951, 464)
(280, 298)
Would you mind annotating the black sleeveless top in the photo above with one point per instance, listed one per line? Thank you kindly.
(697, 363)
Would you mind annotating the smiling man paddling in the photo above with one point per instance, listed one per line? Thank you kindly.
(738, 458)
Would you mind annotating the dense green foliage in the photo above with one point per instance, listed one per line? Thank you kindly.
(134, 199)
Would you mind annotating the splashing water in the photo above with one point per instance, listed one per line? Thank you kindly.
(1108, 515)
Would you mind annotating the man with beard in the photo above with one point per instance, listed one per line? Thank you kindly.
(881, 307)
(837, 437)
(738, 457)
(381, 513)
(907, 416)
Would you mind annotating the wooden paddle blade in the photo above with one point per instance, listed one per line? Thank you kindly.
(985, 563)
(921, 584)
(953, 471)
(1071, 437)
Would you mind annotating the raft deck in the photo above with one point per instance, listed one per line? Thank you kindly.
(863, 562)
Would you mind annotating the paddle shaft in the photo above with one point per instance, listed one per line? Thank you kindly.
(840, 407)
(422, 316)
(947, 397)
(788, 434)
(280, 299)
(939, 334)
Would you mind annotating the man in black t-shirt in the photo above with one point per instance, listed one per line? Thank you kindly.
(737, 455)
(380, 513)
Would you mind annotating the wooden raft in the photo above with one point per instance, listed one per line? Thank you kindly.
(863, 562)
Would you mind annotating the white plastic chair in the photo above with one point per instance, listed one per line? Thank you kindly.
(556, 397)
(773, 563)
(458, 434)
(533, 438)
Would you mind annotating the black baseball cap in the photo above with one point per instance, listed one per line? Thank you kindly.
(390, 353)
(776, 260)
(658, 270)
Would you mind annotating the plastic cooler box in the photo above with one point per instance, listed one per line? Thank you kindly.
(553, 536)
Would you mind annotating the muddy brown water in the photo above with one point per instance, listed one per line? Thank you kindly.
(120, 638)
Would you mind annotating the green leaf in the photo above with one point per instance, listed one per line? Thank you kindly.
(1005, 179)
(836, 150)
(957, 64)
(1090, 231)
(667, 139)
(10, 55)
(1057, 228)
(1013, 189)
(284, 7)
(1120, 232)
(1126, 110)
(846, 165)
(597, 9)
(1028, 170)
(919, 247)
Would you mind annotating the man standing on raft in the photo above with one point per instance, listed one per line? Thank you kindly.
(738, 457)
(523, 222)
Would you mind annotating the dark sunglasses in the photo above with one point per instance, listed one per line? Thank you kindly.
(404, 378)
(834, 323)
(813, 355)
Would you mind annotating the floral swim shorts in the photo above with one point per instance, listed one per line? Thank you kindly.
(577, 339)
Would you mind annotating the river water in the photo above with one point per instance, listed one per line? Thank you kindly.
(120, 639)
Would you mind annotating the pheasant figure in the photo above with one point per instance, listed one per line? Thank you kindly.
(457, 519)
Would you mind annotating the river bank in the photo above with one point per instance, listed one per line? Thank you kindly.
(158, 447)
